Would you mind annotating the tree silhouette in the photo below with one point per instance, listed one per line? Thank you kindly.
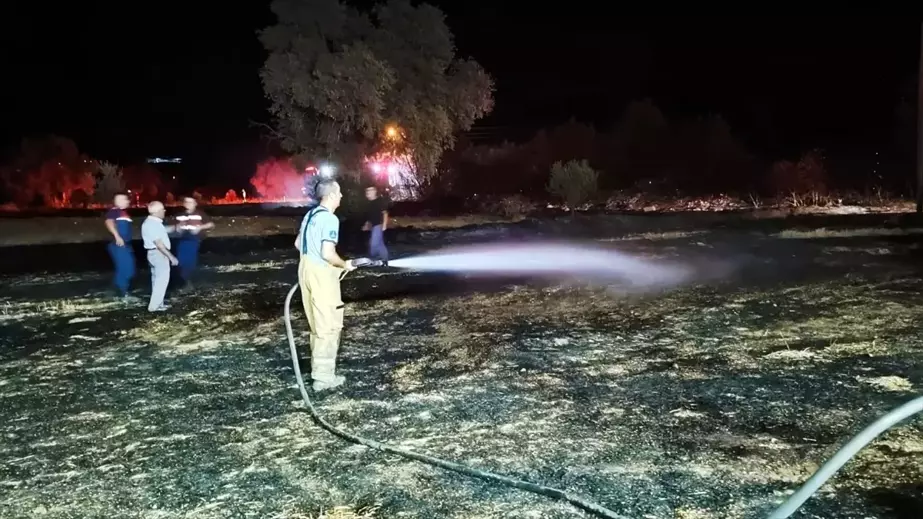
(337, 78)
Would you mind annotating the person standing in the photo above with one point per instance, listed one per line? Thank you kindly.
(118, 223)
(159, 257)
(376, 223)
(319, 269)
(189, 226)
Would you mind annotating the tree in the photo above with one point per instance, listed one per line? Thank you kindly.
(337, 78)
(805, 178)
(144, 181)
(638, 147)
(575, 182)
(572, 140)
(109, 181)
(706, 157)
(48, 171)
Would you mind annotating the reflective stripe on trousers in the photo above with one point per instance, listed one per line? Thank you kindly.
(320, 295)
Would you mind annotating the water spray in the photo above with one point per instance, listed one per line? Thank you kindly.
(546, 259)
(558, 260)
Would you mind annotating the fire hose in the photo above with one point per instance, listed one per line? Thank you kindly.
(785, 510)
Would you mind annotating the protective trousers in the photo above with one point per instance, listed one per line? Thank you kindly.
(320, 294)
(187, 252)
(124, 259)
(160, 278)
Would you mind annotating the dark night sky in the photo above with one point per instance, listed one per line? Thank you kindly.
(128, 81)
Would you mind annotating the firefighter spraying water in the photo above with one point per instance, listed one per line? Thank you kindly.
(321, 270)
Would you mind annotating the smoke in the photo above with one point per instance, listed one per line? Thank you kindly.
(560, 260)
(277, 180)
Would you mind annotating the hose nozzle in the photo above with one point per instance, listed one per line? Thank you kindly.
(366, 262)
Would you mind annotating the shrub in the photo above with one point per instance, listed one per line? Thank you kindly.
(575, 182)
(512, 206)
(109, 181)
(804, 181)
(80, 198)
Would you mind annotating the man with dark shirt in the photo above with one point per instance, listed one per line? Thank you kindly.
(377, 223)
(118, 223)
(189, 225)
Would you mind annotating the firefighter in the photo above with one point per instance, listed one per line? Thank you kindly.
(319, 271)
(118, 223)
(189, 226)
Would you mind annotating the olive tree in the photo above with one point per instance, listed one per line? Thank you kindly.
(339, 80)
(574, 182)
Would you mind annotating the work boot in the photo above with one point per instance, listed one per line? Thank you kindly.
(323, 385)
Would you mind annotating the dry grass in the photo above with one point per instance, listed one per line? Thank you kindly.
(846, 233)
(336, 512)
(667, 235)
(45, 230)
(705, 402)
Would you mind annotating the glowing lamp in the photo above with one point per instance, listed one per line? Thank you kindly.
(376, 167)
(326, 170)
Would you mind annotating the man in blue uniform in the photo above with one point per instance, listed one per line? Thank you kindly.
(189, 226)
(118, 223)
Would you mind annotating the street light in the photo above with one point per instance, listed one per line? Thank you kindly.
(391, 132)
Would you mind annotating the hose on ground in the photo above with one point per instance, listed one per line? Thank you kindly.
(430, 460)
(785, 510)
(794, 502)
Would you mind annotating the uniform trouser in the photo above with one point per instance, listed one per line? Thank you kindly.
(124, 260)
(377, 248)
(187, 252)
(160, 278)
(320, 294)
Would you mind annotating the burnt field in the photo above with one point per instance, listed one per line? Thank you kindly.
(711, 400)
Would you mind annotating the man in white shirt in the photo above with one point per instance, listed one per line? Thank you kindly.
(157, 244)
